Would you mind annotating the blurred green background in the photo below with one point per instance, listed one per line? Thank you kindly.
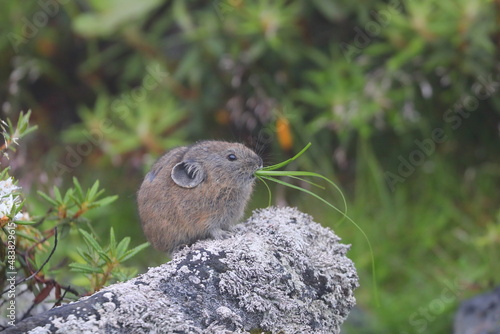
(400, 99)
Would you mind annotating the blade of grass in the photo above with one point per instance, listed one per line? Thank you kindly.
(286, 162)
(374, 281)
(307, 181)
(268, 189)
(270, 178)
(302, 173)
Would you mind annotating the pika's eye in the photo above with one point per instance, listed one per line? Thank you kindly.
(232, 157)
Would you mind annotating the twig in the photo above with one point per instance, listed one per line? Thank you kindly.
(41, 267)
(46, 261)
(66, 290)
(28, 264)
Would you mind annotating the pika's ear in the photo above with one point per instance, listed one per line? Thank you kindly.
(187, 174)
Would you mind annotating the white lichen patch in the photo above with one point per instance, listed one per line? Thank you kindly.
(278, 272)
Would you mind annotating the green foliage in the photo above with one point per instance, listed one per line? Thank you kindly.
(75, 202)
(108, 17)
(132, 121)
(269, 173)
(488, 246)
(103, 264)
(366, 82)
(24, 249)
(11, 134)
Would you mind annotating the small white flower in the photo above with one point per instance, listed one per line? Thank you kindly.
(3, 208)
(23, 216)
(6, 204)
(7, 187)
(9, 198)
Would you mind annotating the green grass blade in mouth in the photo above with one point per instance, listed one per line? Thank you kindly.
(307, 181)
(286, 162)
(306, 191)
(267, 173)
(268, 189)
(372, 257)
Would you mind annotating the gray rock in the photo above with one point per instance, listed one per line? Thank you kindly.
(479, 315)
(279, 272)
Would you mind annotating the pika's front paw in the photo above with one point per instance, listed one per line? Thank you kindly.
(220, 234)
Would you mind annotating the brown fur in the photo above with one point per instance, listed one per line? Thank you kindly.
(173, 215)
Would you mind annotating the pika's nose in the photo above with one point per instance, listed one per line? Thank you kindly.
(260, 162)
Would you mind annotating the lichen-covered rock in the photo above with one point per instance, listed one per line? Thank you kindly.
(278, 272)
(480, 314)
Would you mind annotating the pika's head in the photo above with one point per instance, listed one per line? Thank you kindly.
(217, 163)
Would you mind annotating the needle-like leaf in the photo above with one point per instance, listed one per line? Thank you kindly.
(269, 173)
(286, 162)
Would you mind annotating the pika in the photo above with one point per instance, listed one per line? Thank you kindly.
(196, 192)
